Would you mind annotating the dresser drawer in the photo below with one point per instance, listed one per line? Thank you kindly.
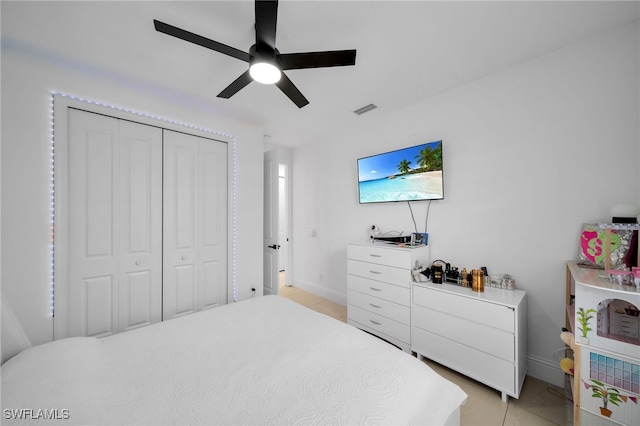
(476, 311)
(486, 339)
(384, 325)
(379, 306)
(495, 372)
(387, 274)
(380, 255)
(390, 292)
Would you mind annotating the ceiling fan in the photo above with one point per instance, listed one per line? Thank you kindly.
(266, 63)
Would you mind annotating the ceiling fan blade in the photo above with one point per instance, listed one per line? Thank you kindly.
(289, 89)
(266, 17)
(201, 41)
(235, 87)
(335, 58)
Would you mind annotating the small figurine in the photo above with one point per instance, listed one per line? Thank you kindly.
(417, 273)
(465, 278)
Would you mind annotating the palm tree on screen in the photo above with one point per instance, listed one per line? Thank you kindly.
(429, 159)
(403, 167)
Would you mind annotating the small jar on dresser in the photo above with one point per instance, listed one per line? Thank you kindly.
(379, 289)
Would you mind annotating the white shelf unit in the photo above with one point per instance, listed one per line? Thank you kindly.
(583, 284)
(481, 335)
(379, 289)
(592, 290)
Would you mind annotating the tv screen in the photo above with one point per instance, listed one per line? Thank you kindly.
(409, 174)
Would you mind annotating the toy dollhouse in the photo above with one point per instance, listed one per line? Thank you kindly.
(605, 318)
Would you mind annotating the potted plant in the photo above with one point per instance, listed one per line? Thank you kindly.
(583, 318)
(607, 393)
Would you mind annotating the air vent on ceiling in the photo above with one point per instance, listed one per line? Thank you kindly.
(365, 108)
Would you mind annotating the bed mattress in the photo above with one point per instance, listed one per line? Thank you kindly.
(265, 360)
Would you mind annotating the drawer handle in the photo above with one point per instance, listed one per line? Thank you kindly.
(376, 272)
(375, 255)
(375, 322)
(375, 289)
(375, 306)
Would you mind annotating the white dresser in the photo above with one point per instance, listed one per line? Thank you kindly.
(379, 289)
(481, 335)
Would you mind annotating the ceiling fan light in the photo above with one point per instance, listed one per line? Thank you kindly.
(265, 73)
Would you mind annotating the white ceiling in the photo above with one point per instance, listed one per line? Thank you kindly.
(406, 51)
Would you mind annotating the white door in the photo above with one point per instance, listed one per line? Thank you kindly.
(180, 289)
(113, 276)
(282, 221)
(212, 223)
(140, 228)
(195, 219)
(270, 240)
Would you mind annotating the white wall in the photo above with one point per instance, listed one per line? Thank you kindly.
(29, 75)
(530, 154)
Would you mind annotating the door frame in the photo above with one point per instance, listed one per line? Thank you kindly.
(286, 162)
(270, 216)
(280, 158)
(60, 105)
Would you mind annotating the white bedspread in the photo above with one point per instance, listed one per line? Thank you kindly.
(262, 361)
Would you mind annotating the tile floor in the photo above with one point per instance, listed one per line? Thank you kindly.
(540, 403)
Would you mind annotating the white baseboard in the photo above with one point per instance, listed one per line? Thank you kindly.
(322, 292)
(545, 370)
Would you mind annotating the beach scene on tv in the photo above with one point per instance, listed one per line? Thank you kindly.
(408, 174)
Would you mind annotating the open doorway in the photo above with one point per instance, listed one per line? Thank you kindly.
(277, 259)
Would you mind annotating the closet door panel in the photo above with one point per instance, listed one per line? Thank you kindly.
(213, 293)
(213, 223)
(99, 204)
(99, 312)
(140, 225)
(184, 170)
(185, 290)
(180, 218)
(140, 305)
(92, 181)
(195, 224)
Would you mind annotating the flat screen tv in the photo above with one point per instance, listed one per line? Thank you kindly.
(409, 174)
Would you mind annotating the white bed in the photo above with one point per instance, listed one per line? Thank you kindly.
(266, 360)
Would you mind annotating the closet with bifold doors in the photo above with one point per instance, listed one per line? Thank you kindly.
(140, 224)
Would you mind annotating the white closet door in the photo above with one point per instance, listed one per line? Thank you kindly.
(93, 240)
(140, 254)
(213, 223)
(114, 193)
(195, 234)
(180, 291)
